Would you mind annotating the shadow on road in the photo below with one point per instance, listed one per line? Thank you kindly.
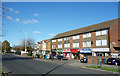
(53, 69)
(4, 58)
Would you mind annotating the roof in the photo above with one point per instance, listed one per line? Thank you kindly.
(99, 26)
(44, 41)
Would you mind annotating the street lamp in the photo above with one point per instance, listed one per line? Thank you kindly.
(25, 41)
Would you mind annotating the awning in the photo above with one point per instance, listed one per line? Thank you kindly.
(75, 50)
(66, 50)
(85, 51)
(59, 50)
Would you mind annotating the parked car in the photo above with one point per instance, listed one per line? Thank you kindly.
(114, 61)
(84, 60)
(59, 57)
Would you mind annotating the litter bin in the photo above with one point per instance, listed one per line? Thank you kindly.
(103, 61)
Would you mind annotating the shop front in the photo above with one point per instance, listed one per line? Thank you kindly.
(100, 51)
(67, 53)
(59, 51)
(85, 53)
(75, 53)
(54, 52)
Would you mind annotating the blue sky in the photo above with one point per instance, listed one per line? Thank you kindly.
(44, 20)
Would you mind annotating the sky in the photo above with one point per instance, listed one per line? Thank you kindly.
(44, 20)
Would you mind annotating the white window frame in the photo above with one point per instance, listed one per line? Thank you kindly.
(59, 45)
(86, 35)
(86, 43)
(104, 42)
(67, 38)
(98, 42)
(104, 32)
(67, 45)
(75, 45)
(53, 40)
(75, 37)
(98, 33)
(60, 39)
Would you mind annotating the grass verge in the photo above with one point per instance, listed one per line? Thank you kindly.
(105, 68)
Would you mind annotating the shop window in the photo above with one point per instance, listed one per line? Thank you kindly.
(104, 42)
(98, 42)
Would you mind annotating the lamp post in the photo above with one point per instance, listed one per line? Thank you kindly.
(25, 42)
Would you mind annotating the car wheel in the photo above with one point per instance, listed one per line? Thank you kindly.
(116, 63)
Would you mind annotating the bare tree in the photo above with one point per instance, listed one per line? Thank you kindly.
(30, 44)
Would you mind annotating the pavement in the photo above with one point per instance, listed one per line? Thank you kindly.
(27, 65)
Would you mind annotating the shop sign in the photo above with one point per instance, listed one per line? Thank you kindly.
(75, 50)
(86, 51)
(59, 50)
(66, 50)
(100, 49)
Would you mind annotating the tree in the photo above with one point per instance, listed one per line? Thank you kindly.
(6, 46)
(30, 44)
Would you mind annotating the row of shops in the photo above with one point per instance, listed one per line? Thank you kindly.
(81, 53)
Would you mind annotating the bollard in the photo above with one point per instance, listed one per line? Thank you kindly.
(92, 62)
(100, 65)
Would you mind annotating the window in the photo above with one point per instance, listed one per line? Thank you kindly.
(87, 44)
(67, 38)
(67, 45)
(86, 35)
(104, 32)
(75, 45)
(53, 46)
(98, 33)
(98, 42)
(59, 45)
(53, 40)
(44, 46)
(60, 39)
(104, 42)
(76, 37)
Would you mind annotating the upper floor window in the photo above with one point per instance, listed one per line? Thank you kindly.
(86, 43)
(98, 42)
(86, 35)
(104, 42)
(54, 46)
(101, 42)
(67, 45)
(76, 37)
(59, 45)
(103, 32)
(67, 38)
(75, 45)
(53, 40)
(60, 39)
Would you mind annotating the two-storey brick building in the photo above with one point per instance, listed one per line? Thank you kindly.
(102, 39)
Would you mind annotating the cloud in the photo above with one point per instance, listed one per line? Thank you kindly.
(17, 19)
(16, 12)
(10, 9)
(9, 18)
(30, 21)
(51, 34)
(37, 32)
(36, 14)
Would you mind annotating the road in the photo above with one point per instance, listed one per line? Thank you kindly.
(24, 65)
